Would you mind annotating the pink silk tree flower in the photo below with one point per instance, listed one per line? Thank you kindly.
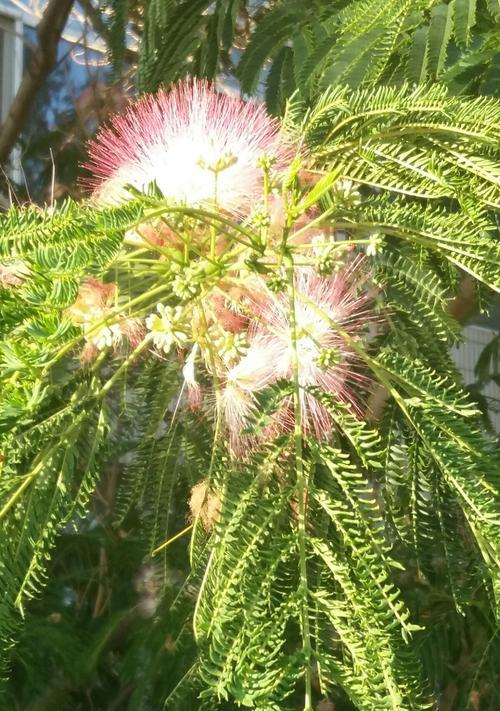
(192, 385)
(198, 145)
(227, 315)
(253, 372)
(325, 360)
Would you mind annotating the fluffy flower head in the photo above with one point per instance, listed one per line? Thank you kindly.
(195, 143)
(325, 360)
(93, 300)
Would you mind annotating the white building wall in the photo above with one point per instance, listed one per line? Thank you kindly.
(465, 356)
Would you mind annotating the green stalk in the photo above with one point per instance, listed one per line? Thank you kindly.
(302, 487)
(40, 461)
(264, 231)
(123, 366)
(213, 229)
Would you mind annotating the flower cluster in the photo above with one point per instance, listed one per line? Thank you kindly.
(166, 328)
(92, 311)
(252, 324)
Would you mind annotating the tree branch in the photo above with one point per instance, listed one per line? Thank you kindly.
(40, 66)
(101, 29)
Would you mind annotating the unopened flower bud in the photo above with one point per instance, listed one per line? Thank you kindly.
(261, 219)
(226, 160)
(276, 283)
(266, 162)
(328, 358)
(184, 287)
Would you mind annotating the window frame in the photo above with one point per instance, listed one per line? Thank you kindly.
(11, 68)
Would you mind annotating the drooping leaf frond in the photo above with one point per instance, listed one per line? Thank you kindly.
(42, 493)
(309, 47)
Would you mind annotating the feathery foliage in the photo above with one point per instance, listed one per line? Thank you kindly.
(308, 47)
(313, 558)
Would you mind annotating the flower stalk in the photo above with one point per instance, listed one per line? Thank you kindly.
(302, 487)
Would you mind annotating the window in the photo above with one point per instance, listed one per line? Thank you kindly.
(11, 67)
(11, 57)
(466, 356)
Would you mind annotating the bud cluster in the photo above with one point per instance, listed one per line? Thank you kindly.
(184, 285)
(325, 250)
(347, 193)
(277, 282)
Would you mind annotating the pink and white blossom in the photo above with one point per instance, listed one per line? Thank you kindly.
(193, 386)
(249, 376)
(198, 145)
(325, 360)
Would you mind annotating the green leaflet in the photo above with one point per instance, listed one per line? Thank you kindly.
(251, 569)
(494, 8)
(465, 460)
(324, 558)
(440, 30)
(422, 384)
(465, 18)
(359, 43)
(117, 33)
(273, 30)
(169, 42)
(417, 56)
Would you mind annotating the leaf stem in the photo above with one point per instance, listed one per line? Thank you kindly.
(128, 360)
(172, 539)
(302, 486)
